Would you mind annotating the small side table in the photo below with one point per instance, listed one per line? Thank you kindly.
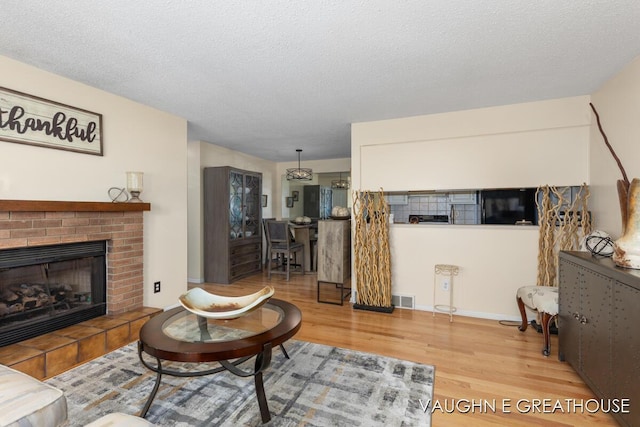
(334, 257)
(444, 270)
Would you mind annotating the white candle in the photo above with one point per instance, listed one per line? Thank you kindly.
(134, 181)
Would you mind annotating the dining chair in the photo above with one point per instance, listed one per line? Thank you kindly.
(279, 243)
(267, 253)
(307, 235)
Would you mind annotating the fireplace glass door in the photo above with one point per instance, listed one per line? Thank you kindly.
(46, 288)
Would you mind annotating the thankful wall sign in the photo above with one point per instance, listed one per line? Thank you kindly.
(27, 119)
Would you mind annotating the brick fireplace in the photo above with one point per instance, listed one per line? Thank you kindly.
(38, 223)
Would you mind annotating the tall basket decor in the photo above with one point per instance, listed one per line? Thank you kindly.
(372, 255)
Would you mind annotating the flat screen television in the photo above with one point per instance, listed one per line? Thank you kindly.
(509, 206)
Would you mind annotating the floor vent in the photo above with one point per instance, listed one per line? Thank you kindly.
(403, 301)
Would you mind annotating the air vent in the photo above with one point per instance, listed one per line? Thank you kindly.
(403, 301)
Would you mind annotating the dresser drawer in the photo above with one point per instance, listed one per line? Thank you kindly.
(245, 249)
(244, 258)
(240, 270)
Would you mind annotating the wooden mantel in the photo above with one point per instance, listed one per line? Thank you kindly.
(62, 206)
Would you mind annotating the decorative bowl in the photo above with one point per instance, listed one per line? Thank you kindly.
(340, 217)
(212, 306)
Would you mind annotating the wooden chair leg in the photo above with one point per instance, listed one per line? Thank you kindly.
(546, 325)
(314, 266)
(523, 314)
(269, 261)
(288, 265)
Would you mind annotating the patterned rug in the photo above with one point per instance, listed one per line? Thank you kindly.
(318, 386)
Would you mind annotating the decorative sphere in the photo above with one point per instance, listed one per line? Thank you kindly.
(598, 243)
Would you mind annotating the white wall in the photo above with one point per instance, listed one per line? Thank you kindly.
(522, 145)
(481, 161)
(494, 262)
(135, 137)
(528, 144)
(618, 104)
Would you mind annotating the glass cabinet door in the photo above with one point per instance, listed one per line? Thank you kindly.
(244, 205)
(236, 208)
(253, 206)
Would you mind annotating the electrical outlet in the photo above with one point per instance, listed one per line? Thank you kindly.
(156, 287)
(445, 284)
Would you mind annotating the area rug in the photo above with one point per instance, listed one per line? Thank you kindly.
(318, 386)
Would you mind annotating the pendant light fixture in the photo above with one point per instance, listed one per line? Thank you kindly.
(340, 184)
(299, 174)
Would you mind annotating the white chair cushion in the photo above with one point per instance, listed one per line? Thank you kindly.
(118, 419)
(25, 401)
(541, 298)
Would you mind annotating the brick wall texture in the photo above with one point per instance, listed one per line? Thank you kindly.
(123, 232)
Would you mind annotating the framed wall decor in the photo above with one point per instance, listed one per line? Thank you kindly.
(264, 200)
(28, 119)
(295, 194)
(289, 202)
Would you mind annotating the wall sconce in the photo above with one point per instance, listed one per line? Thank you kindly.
(134, 186)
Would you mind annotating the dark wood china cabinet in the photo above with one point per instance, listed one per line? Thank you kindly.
(232, 224)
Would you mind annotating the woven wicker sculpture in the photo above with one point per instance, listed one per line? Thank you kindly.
(562, 226)
(372, 255)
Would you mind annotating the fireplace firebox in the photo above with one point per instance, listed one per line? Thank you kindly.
(46, 288)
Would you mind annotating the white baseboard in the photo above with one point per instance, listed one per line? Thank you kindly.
(169, 307)
(477, 314)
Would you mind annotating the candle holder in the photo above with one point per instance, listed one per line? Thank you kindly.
(134, 186)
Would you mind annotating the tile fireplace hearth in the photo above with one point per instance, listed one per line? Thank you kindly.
(53, 353)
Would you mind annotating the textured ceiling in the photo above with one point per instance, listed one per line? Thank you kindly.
(266, 77)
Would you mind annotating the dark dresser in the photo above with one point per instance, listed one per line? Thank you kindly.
(232, 224)
(599, 313)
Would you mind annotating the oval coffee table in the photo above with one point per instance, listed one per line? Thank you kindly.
(181, 336)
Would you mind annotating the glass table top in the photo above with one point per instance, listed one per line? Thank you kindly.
(188, 327)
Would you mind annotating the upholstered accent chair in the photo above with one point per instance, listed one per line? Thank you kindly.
(544, 300)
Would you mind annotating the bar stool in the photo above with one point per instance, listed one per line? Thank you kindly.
(444, 270)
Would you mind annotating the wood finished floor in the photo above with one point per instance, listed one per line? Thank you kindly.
(476, 360)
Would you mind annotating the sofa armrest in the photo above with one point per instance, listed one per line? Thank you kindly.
(25, 400)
